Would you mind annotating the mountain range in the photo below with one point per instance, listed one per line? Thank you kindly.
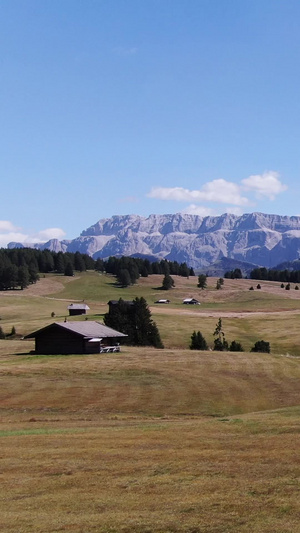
(256, 238)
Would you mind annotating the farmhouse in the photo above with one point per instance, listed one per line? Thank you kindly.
(78, 309)
(191, 301)
(76, 338)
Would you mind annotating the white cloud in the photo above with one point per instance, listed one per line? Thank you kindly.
(220, 191)
(6, 225)
(193, 209)
(234, 210)
(47, 234)
(10, 233)
(202, 211)
(5, 238)
(267, 184)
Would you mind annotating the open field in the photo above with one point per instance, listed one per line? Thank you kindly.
(271, 313)
(152, 441)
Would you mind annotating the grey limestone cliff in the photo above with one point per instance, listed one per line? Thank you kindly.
(256, 238)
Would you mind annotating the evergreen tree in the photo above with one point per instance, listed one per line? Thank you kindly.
(23, 277)
(261, 346)
(168, 282)
(220, 343)
(2, 334)
(60, 263)
(123, 277)
(69, 269)
(236, 347)
(202, 281)
(79, 263)
(33, 272)
(198, 342)
(99, 265)
(134, 319)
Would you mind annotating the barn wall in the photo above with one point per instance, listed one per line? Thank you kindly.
(58, 341)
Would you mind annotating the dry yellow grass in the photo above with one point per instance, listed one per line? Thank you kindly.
(149, 441)
(153, 441)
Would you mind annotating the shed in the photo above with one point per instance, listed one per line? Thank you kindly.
(76, 338)
(78, 309)
(191, 301)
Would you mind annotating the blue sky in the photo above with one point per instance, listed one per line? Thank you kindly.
(146, 106)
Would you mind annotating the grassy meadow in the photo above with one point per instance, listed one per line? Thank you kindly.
(152, 441)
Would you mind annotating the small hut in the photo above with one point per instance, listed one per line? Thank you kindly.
(78, 309)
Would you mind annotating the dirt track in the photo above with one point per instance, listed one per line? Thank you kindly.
(223, 314)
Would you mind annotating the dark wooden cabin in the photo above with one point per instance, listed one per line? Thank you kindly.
(75, 338)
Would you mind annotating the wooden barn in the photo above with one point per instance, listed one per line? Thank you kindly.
(76, 338)
(78, 309)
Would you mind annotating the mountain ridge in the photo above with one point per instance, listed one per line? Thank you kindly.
(256, 238)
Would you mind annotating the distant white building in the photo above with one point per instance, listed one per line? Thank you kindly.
(78, 309)
(191, 301)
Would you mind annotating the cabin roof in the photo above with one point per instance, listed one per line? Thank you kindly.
(78, 306)
(88, 329)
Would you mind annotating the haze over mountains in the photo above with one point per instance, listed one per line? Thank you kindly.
(256, 238)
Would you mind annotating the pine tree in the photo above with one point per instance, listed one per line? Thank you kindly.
(123, 277)
(23, 277)
(69, 269)
(198, 342)
(168, 282)
(236, 347)
(261, 346)
(134, 319)
(202, 281)
(220, 343)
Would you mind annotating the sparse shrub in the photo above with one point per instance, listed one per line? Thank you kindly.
(236, 347)
(220, 283)
(261, 346)
(251, 288)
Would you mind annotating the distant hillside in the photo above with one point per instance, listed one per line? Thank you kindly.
(225, 264)
(256, 238)
(289, 265)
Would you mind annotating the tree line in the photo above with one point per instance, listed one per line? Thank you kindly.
(128, 269)
(20, 267)
(287, 276)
